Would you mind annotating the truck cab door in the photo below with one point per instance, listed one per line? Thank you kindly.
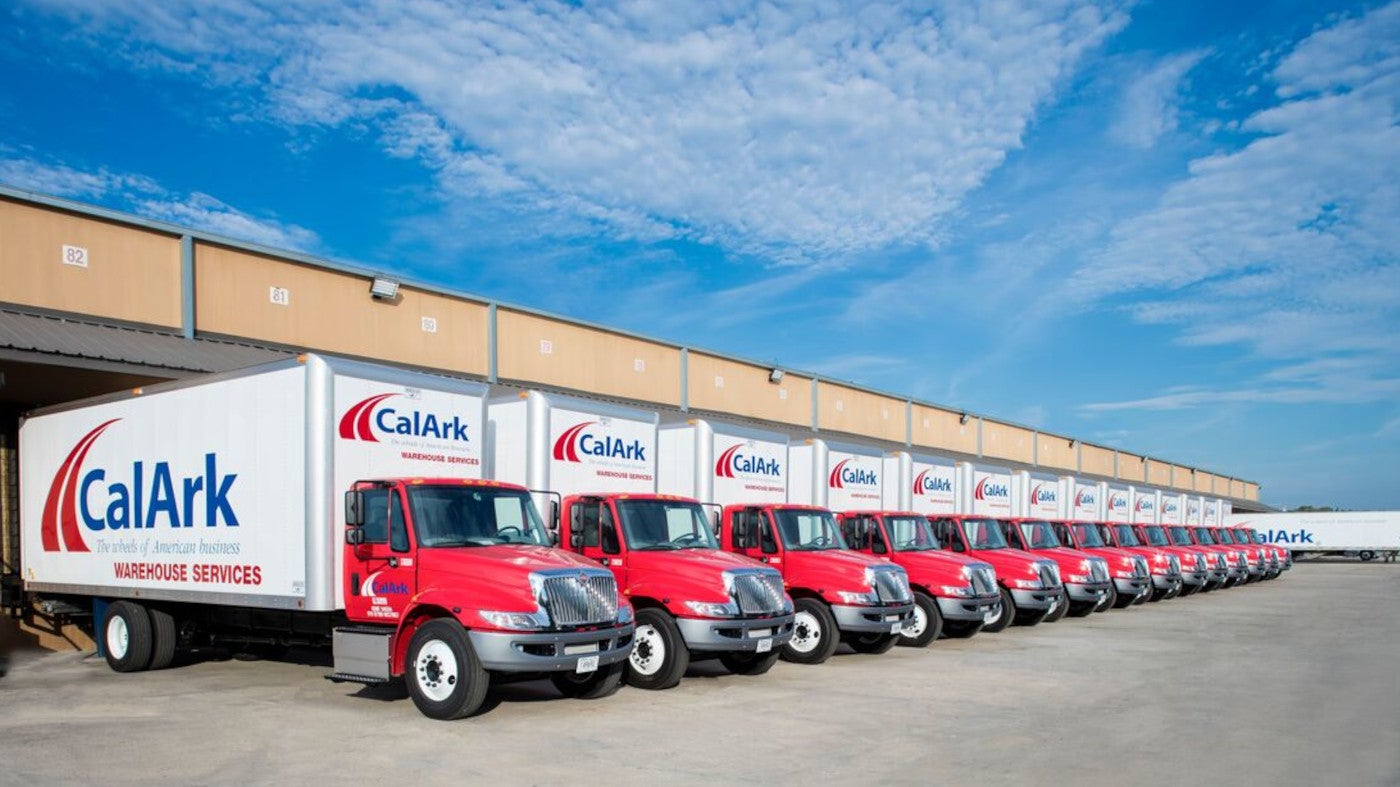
(1065, 534)
(593, 533)
(754, 535)
(949, 534)
(380, 571)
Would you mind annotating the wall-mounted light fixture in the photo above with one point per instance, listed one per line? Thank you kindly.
(962, 418)
(1073, 443)
(382, 289)
(775, 376)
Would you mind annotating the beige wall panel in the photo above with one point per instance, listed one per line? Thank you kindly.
(1251, 491)
(1131, 467)
(1054, 451)
(553, 352)
(842, 409)
(1203, 482)
(333, 312)
(1236, 488)
(1159, 474)
(1181, 478)
(743, 389)
(1003, 441)
(936, 428)
(1097, 460)
(131, 274)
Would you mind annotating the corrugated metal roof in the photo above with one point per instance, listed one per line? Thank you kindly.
(71, 338)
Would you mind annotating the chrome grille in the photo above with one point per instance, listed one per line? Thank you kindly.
(1200, 562)
(757, 593)
(1139, 566)
(1098, 570)
(579, 598)
(1049, 575)
(984, 581)
(1220, 561)
(891, 585)
(1173, 565)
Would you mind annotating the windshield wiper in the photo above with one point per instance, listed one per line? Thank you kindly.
(657, 548)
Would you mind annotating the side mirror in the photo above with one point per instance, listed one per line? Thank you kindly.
(354, 508)
(575, 539)
(354, 535)
(554, 537)
(740, 532)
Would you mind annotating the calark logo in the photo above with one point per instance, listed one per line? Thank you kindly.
(1085, 499)
(374, 586)
(926, 483)
(987, 489)
(1043, 495)
(1118, 502)
(135, 500)
(580, 441)
(361, 420)
(1143, 504)
(733, 464)
(841, 475)
(1169, 507)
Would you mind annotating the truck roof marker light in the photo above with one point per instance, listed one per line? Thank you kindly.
(523, 395)
(301, 358)
(137, 391)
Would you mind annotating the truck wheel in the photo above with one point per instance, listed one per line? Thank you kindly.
(163, 638)
(958, 629)
(659, 657)
(126, 637)
(1109, 601)
(743, 663)
(1060, 609)
(1082, 609)
(1367, 554)
(814, 634)
(927, 624)
(589, 685)
(444, 676)
(1008, 613)
(1123, 600)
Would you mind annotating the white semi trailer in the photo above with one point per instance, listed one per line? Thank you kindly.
(1364, 534)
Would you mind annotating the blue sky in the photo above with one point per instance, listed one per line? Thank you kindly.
(1169, 227)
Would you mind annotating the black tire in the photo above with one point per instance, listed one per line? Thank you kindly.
(1109, 601)
(1367, 555)
(126, 637)
(659, 655)
(1121, 600)
(1141, 598)
(814, 635)
(164, 638)
(590, 685)
(1082, 609)
(1008, 613)
(928, 622)
(872, 643)
(444, 676)
(1028, 618)
(961, 629)
(745, 663)
(1059, 611)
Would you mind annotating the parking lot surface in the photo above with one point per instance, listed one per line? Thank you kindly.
(1293, 681)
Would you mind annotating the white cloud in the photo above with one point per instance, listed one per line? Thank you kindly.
(804, 132)
(145, 197)
(1149, 105)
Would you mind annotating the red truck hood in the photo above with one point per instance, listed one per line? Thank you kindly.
(493, 576)
(676, 576)
(1008, 562)
(688, 560)
(1115, 554)
(1065, 557)
(827, 569)
(935, 566)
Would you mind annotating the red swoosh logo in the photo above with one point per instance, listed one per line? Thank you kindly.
(61, 506)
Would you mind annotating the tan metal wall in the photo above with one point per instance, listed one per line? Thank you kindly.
(1236, 488)
(1096, 460)
(726, 386)
(936, 428)
(1251, 491)
(1131, 468)
(1159, 474)
(1205, 482)
(1055, 451)
(843, 409)
(1004, 441)
(332, 311)
(131, 275)
(1181, 478)
(535, 349)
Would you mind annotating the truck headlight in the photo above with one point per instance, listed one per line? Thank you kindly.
(516, 621)
(1078, 579)
(624, 613)
(958, 591)
(707, 609)
(1026, 584)
(867, 598)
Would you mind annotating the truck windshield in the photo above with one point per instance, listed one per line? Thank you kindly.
(1223, 536)
(1127, 538)
(1180, 537)
(471, 516)
(665, 524)
(1088, 536)
(1202, 536)
(1156, 536)
(1039, 535)
(983, 534)
(910, 533)
(1253, 535)
(808, 530)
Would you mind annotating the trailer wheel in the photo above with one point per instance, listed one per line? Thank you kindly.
(927, 624)
(744, 663)
(444, 676)
(126, 637)
(589, 685)
(1367, 554)
(659, 656)
(814, 634)
(163, 638)
(1008, 613)
(1058, 611)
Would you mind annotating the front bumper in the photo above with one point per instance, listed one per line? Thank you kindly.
(1044, 598)
(1132, 586)
(870, 620)
(530, 651)
(1086, 591)
(976, 608)
(1167, 581)
(734, 635)
(1195, 578)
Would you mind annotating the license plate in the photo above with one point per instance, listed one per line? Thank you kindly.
(896, 628)
(764, 645)
(587, 664)
(574, 650)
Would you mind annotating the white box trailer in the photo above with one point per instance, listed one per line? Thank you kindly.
(931, 483)
(226, 488)
(715, 462)
(1087, 505)
(1171, 508)
(1364, 534)
(1145, 503)
(985, 490)
(1118, 506)
(838, 476)
(1040, 495)
(1193, 511)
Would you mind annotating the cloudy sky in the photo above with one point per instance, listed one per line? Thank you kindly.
(1169, 227)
